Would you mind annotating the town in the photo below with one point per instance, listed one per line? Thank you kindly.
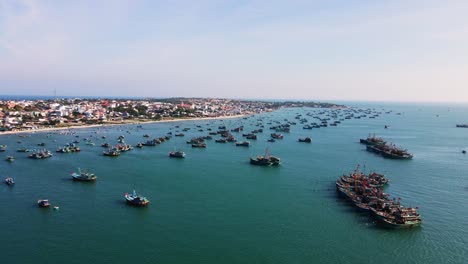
(20, 115)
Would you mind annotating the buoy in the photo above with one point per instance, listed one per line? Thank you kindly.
(56, 207)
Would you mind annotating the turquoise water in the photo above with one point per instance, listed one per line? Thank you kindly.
(213, 207)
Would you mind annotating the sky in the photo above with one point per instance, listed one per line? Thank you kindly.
(367, 50)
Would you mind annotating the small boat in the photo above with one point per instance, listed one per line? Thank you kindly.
(43, 203)
(277, 136)
(23, 150)
(3, 148)
(136, 199)
(177, 154)
(139, 145)
(111, 152)
(243, 144)
(199, 145)
(306, 140)
(10, 158)
(9, 181)
(271, 140)
(222, 140)
(266, 160)
(464, 151)
(83, 176)
(41, 155)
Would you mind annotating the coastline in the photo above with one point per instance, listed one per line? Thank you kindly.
(48, 129)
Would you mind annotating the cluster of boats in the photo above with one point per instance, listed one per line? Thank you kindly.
(41, 154)
(379, 146)
(69, 148)
(366, 193)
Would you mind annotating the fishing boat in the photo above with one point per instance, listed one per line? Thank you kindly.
(43, 203)
(83, 176)
(277, 136)
(150, 143)
(199, 145)
(243, 143)
(372, 140)
(266, 160)
(136, 199)
(23, 150)
(177, 154)
(462, 125)
(69, 148)
(366, 193)
(111, 152)
(306, 140)
(396, 153)
(9, 181)
(10, 158)
(41, 154)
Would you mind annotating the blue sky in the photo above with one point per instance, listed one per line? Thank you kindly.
(324, 50)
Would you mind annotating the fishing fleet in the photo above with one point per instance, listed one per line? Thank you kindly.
(364, 191)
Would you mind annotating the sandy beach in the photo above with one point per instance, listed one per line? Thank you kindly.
(131, 122)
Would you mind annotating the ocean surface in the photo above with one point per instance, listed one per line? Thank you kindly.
(214, 207)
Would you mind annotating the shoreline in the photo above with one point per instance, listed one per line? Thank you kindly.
(33, 131)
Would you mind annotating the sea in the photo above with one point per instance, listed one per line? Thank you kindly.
(214, 207)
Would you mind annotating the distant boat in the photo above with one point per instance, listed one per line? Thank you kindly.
(43, 203)
(177, 154)
(136, 199)
(23, 150)
(41, 155)
(83, 176)
(243, 144)
(10, 158)
(462, 125)
(111, 152)
(3, 148)
(266, 160)
(9, 181)
(306, 140)
(199, 145)
(277, 136)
